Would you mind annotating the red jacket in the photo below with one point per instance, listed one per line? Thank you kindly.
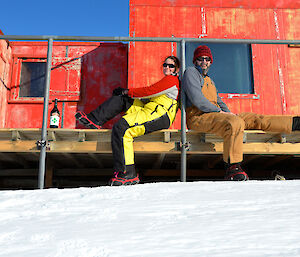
(168, 85)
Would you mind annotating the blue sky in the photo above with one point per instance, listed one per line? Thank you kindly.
(65, 17)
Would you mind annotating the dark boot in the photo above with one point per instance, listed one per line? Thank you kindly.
(125, 178)
(235, 172)
(87, 120)
(105, 111)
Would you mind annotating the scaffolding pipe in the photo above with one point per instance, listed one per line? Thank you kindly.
(150, 39)
(43, 142)
(183, 119)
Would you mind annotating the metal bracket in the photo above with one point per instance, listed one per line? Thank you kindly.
(245, 137)
(42, 143)
(179, 146)
(283, 138)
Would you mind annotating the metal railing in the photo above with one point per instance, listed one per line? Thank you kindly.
(180, 41)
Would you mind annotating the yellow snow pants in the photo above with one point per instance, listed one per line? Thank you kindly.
(138, 120)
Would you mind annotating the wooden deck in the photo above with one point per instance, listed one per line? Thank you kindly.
(77, 157)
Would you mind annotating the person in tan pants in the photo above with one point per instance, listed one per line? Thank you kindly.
(207, 113)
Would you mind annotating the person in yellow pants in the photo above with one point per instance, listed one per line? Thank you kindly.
(207, 113)
(147, 109)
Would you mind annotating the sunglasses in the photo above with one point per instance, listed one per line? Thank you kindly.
(170, 65)
(201, 59)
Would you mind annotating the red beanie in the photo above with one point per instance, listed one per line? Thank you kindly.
(202, 51)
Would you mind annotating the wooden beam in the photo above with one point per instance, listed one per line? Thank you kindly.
(22, 160)
(18, 146)
(147, 147)
(159, 161)
(248, 148)
(250, 158)
(97, 160)
(212, 163)
(49, 176)
(18, 172)
(7, 157)
(83, 172)
(271, 148)
(275, 161)
(74, 160)
(190, 172)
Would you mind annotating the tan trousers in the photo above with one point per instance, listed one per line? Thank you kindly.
(231, 128)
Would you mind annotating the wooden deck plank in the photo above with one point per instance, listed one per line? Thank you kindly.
(148, 147)
(164, 141)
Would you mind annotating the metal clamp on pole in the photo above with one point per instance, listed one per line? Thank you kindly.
(179, 146)
(42, 143)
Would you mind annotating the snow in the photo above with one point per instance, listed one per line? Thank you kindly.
(253, 218)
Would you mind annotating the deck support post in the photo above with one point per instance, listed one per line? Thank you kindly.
(183, 119)
(42, 161)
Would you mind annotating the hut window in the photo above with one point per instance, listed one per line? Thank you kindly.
(232, 66)
(32, 79)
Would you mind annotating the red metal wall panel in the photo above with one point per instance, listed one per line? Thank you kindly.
(5, 63)
(290, 29)
(287, 4)
(83, 75)
(275, 67)
(103, 69)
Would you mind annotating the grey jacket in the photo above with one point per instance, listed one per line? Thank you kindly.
(192, 84)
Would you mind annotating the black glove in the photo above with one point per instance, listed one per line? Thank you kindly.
(120, 91)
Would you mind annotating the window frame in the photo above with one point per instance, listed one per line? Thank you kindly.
(254, 95)
(65, 93)
(14, 95)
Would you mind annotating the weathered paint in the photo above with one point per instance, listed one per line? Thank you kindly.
(275, 67)
(5, 64)
(263, 4)
(83, 75)
(103, 69)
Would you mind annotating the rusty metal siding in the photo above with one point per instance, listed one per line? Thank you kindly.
(83, 75)
(275, 67)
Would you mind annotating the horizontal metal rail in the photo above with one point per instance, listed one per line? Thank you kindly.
(149, 39)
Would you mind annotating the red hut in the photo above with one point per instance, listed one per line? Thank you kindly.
(262, 78)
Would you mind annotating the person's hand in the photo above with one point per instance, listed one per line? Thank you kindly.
(120, 91)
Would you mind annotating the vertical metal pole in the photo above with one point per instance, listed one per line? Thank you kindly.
(42, 162)
(183, 118)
